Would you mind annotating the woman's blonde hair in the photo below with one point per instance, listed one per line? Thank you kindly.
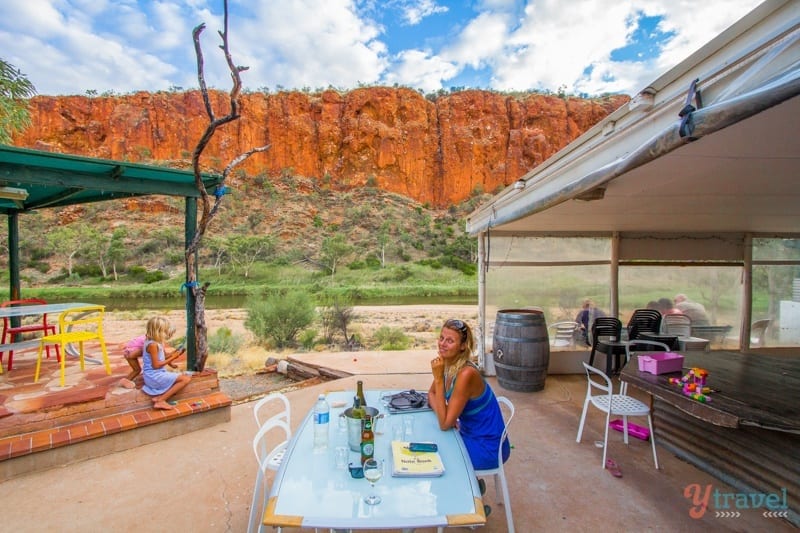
(467, 342)
(159, 329)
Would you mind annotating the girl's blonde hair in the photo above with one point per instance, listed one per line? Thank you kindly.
(159, 329)
(467, 341)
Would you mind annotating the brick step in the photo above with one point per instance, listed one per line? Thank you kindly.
(56, 446)
(31, 408)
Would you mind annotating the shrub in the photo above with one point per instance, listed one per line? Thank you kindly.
(280, 317)
(388, 338)
(308, 338)
(153, 276)
(88, 271)
(224, 341)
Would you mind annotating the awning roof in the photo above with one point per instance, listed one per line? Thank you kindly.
(32, 179)
(739, 170)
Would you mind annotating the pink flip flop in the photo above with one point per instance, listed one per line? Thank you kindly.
(612, 468)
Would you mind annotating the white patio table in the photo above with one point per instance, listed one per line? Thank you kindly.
(309, 491)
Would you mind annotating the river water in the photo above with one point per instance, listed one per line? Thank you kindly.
(237, 302)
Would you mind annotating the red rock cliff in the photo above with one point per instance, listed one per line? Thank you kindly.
(393, 138)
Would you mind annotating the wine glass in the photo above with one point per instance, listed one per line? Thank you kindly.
(373, 471)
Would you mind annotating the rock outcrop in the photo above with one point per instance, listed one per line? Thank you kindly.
(436, 151)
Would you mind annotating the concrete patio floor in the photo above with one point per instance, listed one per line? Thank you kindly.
(202, 481)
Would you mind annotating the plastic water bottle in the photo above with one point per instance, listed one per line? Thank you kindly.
(322, 417)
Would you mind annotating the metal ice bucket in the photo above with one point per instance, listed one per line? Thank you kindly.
(354, 426)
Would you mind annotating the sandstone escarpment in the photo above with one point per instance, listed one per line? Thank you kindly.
(435, 151)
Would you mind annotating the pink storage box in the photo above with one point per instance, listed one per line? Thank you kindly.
(660, 362)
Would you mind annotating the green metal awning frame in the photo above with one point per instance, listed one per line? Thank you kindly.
(34, 179)
(58, 180)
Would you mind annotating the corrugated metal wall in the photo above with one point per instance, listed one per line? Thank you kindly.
(752, 460)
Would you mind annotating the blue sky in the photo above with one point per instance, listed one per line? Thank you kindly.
(580, 46)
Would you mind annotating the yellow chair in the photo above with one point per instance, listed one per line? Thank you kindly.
(89, 323)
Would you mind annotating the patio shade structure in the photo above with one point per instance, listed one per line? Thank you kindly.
(700, 167)
(33, 179)
(702, 160)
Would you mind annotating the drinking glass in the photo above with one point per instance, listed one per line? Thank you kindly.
(373, 471)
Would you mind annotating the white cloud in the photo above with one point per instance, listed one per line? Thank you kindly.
(414, 12)
(420, 70)
(312, 43)
(552, 46)
(69, 46)
(482, 39)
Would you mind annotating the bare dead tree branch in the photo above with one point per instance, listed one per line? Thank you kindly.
(208, 210)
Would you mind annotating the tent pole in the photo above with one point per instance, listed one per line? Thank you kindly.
(613, 286)
(747, 294)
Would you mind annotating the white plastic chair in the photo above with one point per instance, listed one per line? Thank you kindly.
(563, 334)
(284, 414)
(499, 473)
(613, 404)
(677, 324)
(268, 458)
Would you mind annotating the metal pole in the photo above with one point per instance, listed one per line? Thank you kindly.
(747, 294)
(13, 263)
(190, 228)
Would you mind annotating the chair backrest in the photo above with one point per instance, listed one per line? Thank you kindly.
(264, 453)
(262, 415)
(261, 447)
(677, 324)
(598, 379)
(509, 407)
(86, 318)
(563, 333)
(606, 326)
(25, 301)
(644, 320)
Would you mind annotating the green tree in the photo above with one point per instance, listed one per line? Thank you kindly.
(117, 251)
(94, 245)
(65, 242)
(383, 241)
(15, 89)
(334, 249)
(217, 247)
(244, 250)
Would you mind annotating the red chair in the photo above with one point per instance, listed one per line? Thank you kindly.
(10, 331)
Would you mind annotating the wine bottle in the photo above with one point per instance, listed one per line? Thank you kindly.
(360, 394)
(357, 411)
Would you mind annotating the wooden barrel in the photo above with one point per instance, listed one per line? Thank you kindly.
(521, 349)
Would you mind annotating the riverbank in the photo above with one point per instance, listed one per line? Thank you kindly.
(420, 322)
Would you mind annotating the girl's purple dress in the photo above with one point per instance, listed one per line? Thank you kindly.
(156, 380)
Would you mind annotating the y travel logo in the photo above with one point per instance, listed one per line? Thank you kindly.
(731, 504)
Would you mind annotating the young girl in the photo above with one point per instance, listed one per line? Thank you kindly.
(158, 382)
(132, 353)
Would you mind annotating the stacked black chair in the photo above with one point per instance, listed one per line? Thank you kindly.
(644, 321)
(607, 338)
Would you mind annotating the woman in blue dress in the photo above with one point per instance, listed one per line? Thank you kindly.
(461, 398)
(158, 382)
